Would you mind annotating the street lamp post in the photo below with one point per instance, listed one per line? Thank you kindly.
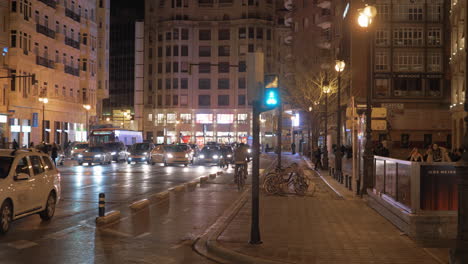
(326, 90)
(87, 108)
(339, 67)
(365, 19)
(44, 101)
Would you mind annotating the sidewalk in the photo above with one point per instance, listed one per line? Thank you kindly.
(323, 228)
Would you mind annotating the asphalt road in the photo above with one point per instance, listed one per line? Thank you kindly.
(163, 233)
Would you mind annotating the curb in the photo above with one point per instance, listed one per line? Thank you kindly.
(160, 196)
(192, 184)
(138, 205)
(178, 188)
(220, 173)
(212, 176)
(203, 179)
(108, 218)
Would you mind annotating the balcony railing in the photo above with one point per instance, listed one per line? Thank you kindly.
(69, 13)
(45, 31)
(72, 71)
(50, 3)
(72, 43)
(45, 62)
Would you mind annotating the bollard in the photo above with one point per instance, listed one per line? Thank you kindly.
(346, 181)
(102, 204)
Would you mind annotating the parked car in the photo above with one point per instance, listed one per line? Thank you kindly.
(78, 148)
(29, 184)
(95, 155)
(47, 148)
(170, 154)
(140, 152)
(118, 151)
(209, 154)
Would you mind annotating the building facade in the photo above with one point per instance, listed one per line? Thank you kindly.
(458, 67)
(195, 67)
(51, 51)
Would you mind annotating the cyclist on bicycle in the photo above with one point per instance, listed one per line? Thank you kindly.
(241, 156)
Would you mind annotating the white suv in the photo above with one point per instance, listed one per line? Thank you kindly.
(29, 184)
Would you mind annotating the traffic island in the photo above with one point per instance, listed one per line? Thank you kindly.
(109, 217)
(138, 205)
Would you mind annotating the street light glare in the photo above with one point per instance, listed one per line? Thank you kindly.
(340, 65)
(43, 100)
(87, 107)
(364, 20)
(370, 11)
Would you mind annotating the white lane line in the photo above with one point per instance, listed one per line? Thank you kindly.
(22, 244)
(143, 235)
(167, 221)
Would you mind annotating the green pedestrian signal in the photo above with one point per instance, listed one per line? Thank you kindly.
(271, 97)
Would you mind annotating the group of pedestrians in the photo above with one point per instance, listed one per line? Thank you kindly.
(435, 153)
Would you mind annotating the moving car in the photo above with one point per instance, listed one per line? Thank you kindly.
(118, 151)
(29, 184)
(95, 155)
(78, 148)
(140, 152)
(170, 154)
(227, 153)
(209, 154)
(189, 151)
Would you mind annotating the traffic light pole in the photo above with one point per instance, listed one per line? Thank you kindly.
(255, 224)
(280, 132)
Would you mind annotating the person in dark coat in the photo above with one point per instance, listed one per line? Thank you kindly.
(318, 159)
(15, 144)
(54, 153)
(31, 145)
(293, 148)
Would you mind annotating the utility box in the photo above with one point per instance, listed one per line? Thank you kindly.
(255, 75)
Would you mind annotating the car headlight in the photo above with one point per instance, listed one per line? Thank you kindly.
(113, 153)
(170, 155)
(98, 156)
(249, 150)
(215, 156)
(72, 152)
(145, 153)
(229, 156)
(80, 156)
(129, 159)
(201, 156)
(186, 155)
(143, 158)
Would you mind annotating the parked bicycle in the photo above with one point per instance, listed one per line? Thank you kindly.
(290, 176)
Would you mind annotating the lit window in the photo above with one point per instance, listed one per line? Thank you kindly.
(225, 118)
(204, 118)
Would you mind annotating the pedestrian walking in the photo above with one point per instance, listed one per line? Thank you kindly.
(318, 159)
(293, 148)
(31, 144)
(54, 153)
(15, 144)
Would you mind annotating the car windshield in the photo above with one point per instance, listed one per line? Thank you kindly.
(184, 147)
(175, 148)
(5, 165)
(95, 149)
(142, 146)
(113, 146)
(210, 149)
(81, 146)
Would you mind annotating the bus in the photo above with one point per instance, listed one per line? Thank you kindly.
(106, 135)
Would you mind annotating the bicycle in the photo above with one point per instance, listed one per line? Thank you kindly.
(240, 175)
(274, 180)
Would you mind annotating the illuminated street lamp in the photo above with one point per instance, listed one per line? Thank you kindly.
(326, 91)
(339, 67)
(44, 101)
(365, 19)
(87, 108)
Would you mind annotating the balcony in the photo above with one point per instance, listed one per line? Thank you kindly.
(72, 71)
(45, 62)
(45, 31)
(324, 21)
(69, 13)
(50, 3)
(324, 42)
(326, 4)
(72, 43)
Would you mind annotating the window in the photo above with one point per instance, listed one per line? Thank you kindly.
(382, 87)
(251, 48)
(242, 49)
(434, 11)
(259, 33)
(175, 83)
(223, 51)
(224, 34)
(186, 118)
(184, 34)
(13, 39)
(168, 35)
(175, 51)
(13, 6)
(184, 66)
(204, 118)
(168, 84)
(48, 163)
(168, 67)
(383, 9)
(434, 36)
(168, 51)
(184, 83)
(21, 167)
(407, 86)
(268, 34)
(204, 68)
(242, 118)
(381, 61)
(223, 84)
(204, 51)
(204, 84)
(168, 102)
(223, 67)
(160, 86)
(184, 51)
(204, 100)
(175, 34)
(434, 62)
(408, 61)
(175, 100)
(160, 100)
(242, 33)
(434, 87)
(150, 68)
(225, 118)
(408, 12)
(382, 37)
(241, 100)
(204, 34)
(408, 36)
(160, 67)
(223, 100)
(241, 83)
(242, 66)
(37, 165)
(175, 67)
(251, 33)
(183, 100)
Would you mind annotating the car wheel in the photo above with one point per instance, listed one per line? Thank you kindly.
(129, 162)
(49, 211)
(80, 163)
(186, 164)
(5, 220)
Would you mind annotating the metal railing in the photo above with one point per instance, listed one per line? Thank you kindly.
(69, 13)
(45, 31)
(71, 70)
(72, 43)
(50, 3)
(45, 62)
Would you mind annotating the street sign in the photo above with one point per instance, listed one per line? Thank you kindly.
(379, 112)
(379, 125)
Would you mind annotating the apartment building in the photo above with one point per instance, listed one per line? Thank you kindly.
(458, 67)
(195, 67)
(61, 44)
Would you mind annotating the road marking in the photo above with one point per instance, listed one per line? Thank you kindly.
(22, 244)
(143, 235)
(62, 233)
(167, 221)
(87, 186)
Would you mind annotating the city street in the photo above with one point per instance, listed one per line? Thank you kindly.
(158, 234)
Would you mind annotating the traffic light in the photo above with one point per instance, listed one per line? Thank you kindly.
(271, 96)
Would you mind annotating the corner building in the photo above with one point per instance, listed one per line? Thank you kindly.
(64, 44)
(195, 74)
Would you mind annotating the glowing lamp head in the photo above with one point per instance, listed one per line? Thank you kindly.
(340, 66)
